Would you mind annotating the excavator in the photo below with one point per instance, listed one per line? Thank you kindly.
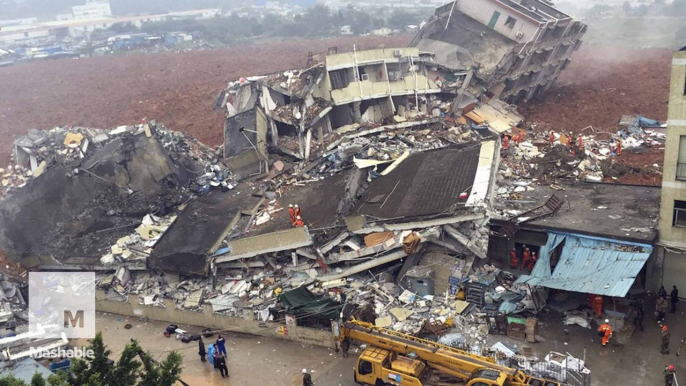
(397, 359)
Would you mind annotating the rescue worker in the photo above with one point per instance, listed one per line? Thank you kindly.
(221, 345)
(521, 136)
(590, 299)
(551, 139)
(618, 150)
(674, 297)
(580, 145)
(533, 261)
(664, 346)
(201, 350)
(598, 305)
(605, 331)
(297, 211)
(291, 214)
(669, 375)
(506, 141)
(307, 379)
(513, 258)
(661, 308)
(526, 256)
(298, 222)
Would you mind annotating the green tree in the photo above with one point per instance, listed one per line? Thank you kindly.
(171, 369)
(37, 380)
(97, 365)
(10, 380)
(125, 372)
(400, 19)
(58, 379)
(150, 376)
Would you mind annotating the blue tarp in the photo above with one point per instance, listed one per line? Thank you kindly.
(589, 265)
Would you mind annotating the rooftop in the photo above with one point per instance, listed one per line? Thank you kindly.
(623, 212)
(427, 183)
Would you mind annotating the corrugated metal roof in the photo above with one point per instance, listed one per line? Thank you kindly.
(24, 369)
(590, 265)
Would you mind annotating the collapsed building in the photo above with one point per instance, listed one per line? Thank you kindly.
(511, 49)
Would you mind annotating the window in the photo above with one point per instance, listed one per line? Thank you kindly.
(365, 367)
(681, 160)
(510, 22)
(26, 34)
(679, 219)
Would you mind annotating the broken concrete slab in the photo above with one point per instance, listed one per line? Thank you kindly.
(267, 243)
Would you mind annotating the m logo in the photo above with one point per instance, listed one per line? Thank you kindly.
(62, 304)
(69, 319)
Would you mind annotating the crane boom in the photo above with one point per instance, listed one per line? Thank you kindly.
(452, 361)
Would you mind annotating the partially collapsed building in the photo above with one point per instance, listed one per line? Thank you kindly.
(512, 49)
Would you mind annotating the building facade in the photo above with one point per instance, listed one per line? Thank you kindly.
(514, 48)
(673, 208)
(93, 9)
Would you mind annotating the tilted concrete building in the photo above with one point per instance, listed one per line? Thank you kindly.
(513, 49)
(673, 209)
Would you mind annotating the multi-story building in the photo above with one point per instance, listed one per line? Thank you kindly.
(673, 208)
(513, 49)
(93, 9)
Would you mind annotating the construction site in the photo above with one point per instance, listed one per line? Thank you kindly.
(478, 203)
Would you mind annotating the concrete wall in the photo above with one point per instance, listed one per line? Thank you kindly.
(482, 11)
(673, 189)
(208, 319)
(374, 90)
(348, 59)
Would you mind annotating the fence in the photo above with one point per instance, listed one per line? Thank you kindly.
(564, 368)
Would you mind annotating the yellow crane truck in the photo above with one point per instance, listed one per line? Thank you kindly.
(393, 358)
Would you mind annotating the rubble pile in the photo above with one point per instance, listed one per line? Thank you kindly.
(546, 157)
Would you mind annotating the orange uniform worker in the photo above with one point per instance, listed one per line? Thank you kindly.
(532, 262)
(551, 139)
(291, 213)
(506, 141)
(526, 257)
(298, 222)
(605, 331)
(598, 305)
(513, 258)
(590, 299)
(580, 145)
(297, 211)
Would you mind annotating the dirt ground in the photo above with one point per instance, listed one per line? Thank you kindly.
(600, 85)
(178, 89)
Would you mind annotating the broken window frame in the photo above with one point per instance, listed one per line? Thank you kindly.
(679, 217)
(510, 22)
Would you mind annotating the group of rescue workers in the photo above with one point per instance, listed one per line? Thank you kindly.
(295, 215)
(570, 139)
(529, 259)
(605, 329)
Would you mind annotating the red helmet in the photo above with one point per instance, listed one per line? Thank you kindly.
(671, 367)
(664, 328)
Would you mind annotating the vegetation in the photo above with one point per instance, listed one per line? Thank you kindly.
(130, 370)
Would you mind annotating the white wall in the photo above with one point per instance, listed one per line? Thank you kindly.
(23, 36)
(482, 11)
(92, 10)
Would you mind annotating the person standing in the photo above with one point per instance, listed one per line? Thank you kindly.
(598, 305)
(513, 258)
(526, 256)
(664, 346)
(307, 379)
(532, 262)
(221, 345)
(661, 308)
(674, 297)
(662, 292)
(605, 330)
(201, 350)
(221, 365)
(669, 375)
